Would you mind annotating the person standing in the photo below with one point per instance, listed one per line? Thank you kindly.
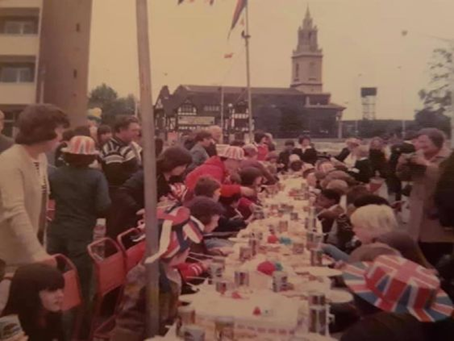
(81, 196)
(23, 184)
(203, 140)
(5, 142)
(260, 140)
(423, 169)
(119, 159)
(216, 134)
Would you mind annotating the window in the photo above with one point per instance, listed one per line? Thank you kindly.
(187, 109)
(297, 71)
(211, 108)
(19, 26)
(312, 72)
(20, 73)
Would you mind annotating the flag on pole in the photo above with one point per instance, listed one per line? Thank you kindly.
(240, 6)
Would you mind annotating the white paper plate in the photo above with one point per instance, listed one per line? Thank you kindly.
(340, 296)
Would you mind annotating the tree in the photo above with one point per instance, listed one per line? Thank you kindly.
(438, 95)
(437, 98)
(106, 98)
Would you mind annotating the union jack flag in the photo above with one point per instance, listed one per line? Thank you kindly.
(396, 284)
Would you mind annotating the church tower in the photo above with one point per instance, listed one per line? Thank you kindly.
(307, 59)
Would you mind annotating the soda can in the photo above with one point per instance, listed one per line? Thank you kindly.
(245, 253)
(194, 333)
(280, 212)
(283, 226)
(318, 239)
(215, 271)
(316, 257)
(254, 244)
(224, 329)
(185, 316)
(298, 247)
(241, 278)
(272, 229)
(294, 216)
(290, 208)
(274, 207)
(316, 298)
(259, 214)
(317, 320)
(280, 281)
(310, 239)
(219, 260)
(221, 285)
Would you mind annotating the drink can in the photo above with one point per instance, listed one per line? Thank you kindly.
(294, 216)
(185, 316)
(219, 260)
(280, 212)
(241, 278)
(298, 247)
(221, 285)
(283, 226)
(194, 333)
(215, 271)
(245, 253)
(316, 298)
(318, 239)
(317, 319)
(272, 229)
(316, 257)
(224, 329)
(309, 239)
(280, 281)
(254, 244)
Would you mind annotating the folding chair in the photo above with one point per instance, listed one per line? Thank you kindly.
(133, 251)
(72, 292)
(109, 269)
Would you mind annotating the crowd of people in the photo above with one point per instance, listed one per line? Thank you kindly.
(207, 191)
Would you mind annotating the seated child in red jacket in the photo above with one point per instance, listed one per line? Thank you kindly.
(250, 177)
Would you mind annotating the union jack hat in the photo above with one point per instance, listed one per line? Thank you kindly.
(81, 145)
(395, 284)
(178, 229)
(233, 152)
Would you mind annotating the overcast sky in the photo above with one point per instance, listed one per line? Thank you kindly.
(361, 41)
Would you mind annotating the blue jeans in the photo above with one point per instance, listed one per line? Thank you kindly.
(335, 253)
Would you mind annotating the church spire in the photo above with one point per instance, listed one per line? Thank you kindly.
(308, 22)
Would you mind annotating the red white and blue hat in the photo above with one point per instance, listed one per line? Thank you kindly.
(395, 284)
(233, 152)
(178, 230)
(81, 145)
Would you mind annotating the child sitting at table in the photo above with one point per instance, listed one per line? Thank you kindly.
(208, 187)
(232, 220)
(328, 208)
(178, 231)
(252, 178)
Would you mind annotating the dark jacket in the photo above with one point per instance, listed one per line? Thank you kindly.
(308, 156)
(129, 199)
(284, 158)
(81, 196)
(343, 154)
(378, 163)
(363, 171)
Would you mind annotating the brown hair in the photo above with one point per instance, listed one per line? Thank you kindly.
(436, 136)
(37, 123)
(204, 209)
(123, 121)
(202, 135)
(206, 187)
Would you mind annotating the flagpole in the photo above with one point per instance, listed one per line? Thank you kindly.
(222, 110)
(148, 131)
(246, 37)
